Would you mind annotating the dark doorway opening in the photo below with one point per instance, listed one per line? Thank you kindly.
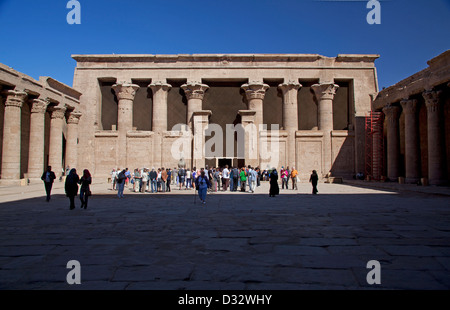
(240, 162)
(225, 161)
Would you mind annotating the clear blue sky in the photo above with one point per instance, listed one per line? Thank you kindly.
(37, 40)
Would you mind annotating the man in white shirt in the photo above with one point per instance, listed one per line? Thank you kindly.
(226, 178)
(144, 181)
(113, 178)
(188, 179)
(252, 175)
(254, 179)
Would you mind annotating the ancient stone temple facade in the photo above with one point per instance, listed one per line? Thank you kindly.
(304, 110)
(417, 125)
(39, 123)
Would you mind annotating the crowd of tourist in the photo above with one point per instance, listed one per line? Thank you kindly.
(162, 180)
(233, 179)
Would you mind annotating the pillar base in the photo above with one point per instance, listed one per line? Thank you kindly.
(18, 182)
(393, 179)
(35, 180)
(412, 180)
(437, 182)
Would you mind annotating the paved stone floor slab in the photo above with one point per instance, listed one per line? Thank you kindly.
(236, 241)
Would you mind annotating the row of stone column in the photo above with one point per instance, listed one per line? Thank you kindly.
(436, 157)
(255, 93)
(11, 162)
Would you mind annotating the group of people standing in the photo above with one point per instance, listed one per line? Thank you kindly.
(160, 180)
(70, 186)
(215, 179)
(293, 174)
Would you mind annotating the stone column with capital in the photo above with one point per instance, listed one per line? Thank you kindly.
(392, 114)
(290, 117)
(160, 91)
(56, 139)
(12, 136)
(72, 139)
(325, 94)
(125, 93)
(195, 93)
(159, 122)
(255, 93)
(412, 152)
(37, 133)
(200, 121)
(435, 130)
(248, 119)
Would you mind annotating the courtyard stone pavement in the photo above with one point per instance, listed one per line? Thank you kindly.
(237, 241)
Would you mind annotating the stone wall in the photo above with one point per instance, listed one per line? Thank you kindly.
(309, 146)
(33, 117)
(105, 153)
(343, 150)
(417, 124)
(227, 89)
(139, 150)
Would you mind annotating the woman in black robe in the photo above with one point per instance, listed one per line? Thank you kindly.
(314, 179)
(71, 187)
(273, 180)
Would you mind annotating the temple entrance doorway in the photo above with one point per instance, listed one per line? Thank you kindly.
(222, 162)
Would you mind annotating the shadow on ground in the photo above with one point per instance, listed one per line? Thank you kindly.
(235, 241)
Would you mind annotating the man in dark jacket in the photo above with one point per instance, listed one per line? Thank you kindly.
(235, 179)
(121, 182)
(48, 177)
(153, 175)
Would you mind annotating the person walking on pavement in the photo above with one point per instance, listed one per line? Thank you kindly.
(85, 191)
(121, 183)
(202, 184)
(71, 187)
(48, 177)
(273, 180)
(314, 179)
